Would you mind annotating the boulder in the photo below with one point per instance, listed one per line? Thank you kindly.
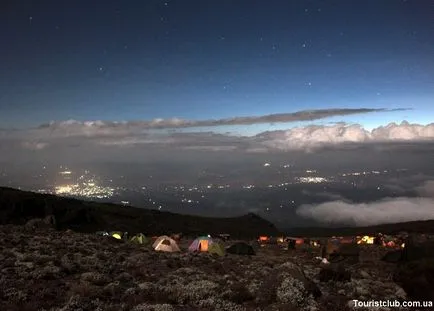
(417, 278)
(417, 249)
(334, 272)
(348, 253)
(288, 283)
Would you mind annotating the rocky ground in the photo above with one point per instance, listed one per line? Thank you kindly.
(65, 271)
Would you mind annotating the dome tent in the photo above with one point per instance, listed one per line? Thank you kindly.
(165, 244)
(241, 248)
(201, 244)
(216, 248)
(140, 238)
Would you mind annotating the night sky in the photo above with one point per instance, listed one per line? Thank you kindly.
(145, 59)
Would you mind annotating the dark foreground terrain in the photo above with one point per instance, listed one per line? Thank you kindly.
(65, 271)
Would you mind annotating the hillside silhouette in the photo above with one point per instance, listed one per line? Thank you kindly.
(18, 207)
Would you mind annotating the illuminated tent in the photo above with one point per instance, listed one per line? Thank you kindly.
(263, 238)
(140, 239)
(201, 244)
(116, 234)
(366, 239)
(165, 244)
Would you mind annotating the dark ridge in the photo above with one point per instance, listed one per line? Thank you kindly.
(17, 207)
(423, 226)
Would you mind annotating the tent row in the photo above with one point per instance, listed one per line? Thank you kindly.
(378, 239)
(201, 244)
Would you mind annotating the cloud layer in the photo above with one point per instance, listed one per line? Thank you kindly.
(308, 138)
(143, 134)
(367, 214)
(102, 127)
(311, 137)
(389, 210)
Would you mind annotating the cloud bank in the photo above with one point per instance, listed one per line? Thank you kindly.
(368, 214)
(305, 139)
(156, 134)
(311, 137)
(389, 210)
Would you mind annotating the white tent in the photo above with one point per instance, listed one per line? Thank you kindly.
(165, 244)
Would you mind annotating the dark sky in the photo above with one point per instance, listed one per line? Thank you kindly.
(145, 59)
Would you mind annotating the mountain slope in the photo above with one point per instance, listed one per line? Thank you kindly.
(17, 207)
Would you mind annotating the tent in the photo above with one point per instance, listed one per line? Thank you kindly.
(241, 248)
(102, 233)
(216, 248)
(165, 244)
(346, 240)
(140, 238)
(263, 239)
(116, 234)
(366, 239)
(201, 244)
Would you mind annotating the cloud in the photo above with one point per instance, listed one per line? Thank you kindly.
(390, 210)
(104, 128)
(111, 135)
(426, 189)
(315, 136)
(34, 145)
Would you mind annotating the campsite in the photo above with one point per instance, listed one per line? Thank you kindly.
(78, 255)
(66, 270)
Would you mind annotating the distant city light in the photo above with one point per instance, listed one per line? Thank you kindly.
(312, 180)
(85, 187)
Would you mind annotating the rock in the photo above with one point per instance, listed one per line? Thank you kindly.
(417, 279)
(94, 278)
(27, 264)
(348, 253)
(364, 274)
(392, 256)
(417, 249)
(400, 293)
(334, 272)
(113, 289)
(287, 283)
(124, 277)
(362, 291)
